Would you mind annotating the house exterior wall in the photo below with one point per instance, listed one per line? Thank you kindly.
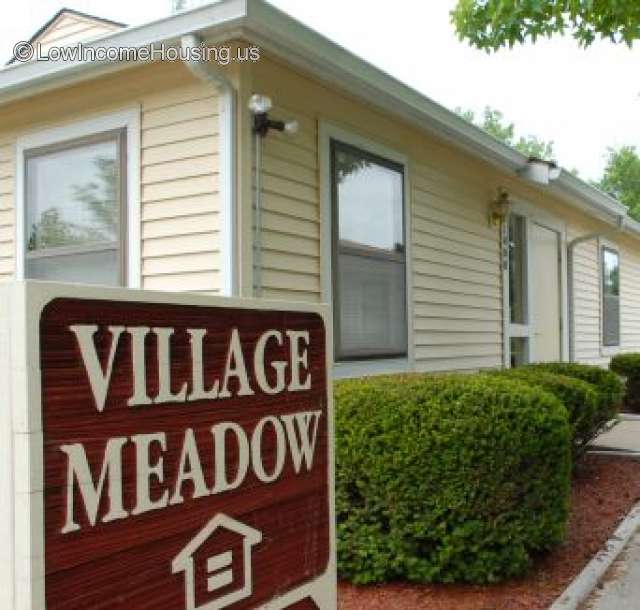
(456, 306)
(455, 292)
(180, 228)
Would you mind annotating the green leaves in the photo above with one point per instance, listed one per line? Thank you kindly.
(451, 478)
(621, 178)
(492, 24)
(628, 365)
(493, 122)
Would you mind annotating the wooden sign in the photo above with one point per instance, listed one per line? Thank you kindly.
(178, 451)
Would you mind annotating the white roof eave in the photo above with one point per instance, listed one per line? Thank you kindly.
(280, 34)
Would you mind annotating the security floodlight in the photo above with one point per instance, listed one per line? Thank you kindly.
(260, 104)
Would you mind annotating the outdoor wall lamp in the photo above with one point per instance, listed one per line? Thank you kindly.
(499, 208)
(540, 171)
(260, 105)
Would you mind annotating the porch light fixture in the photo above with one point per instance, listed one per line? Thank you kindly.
(260, 105)
(540, 171)
(499, 208)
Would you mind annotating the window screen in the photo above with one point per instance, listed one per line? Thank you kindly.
(370, 309)
(610, 297)
(73, 213)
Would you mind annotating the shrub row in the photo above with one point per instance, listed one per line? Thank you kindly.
(591, 395)
(459, 478)
(628, 366)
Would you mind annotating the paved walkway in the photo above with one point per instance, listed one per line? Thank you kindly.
(621, 585)
(625, 436)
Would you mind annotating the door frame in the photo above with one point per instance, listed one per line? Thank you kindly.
(534, 215)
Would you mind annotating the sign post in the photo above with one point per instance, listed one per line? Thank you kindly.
(164, 451)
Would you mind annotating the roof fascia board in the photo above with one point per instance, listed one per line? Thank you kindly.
(294, 42)
(23, 80)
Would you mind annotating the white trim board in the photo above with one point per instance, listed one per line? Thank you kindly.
(128, 119)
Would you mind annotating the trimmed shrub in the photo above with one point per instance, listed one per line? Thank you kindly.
(579, 397)
(449, 479)
(628, 366)
(608, 385)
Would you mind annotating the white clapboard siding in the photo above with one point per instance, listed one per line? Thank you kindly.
(7, 221)
(290, 261)
(586, 295)
(70, 29)
(630, 298)
(457, 309)
(179, 191)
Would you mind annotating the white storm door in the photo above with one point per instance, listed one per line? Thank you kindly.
(545, 301)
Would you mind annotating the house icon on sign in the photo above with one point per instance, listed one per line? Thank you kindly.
(217, 564)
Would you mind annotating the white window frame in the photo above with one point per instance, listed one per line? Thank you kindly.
(127, 119)
(534, 215)
(608, 350)
(328, 132)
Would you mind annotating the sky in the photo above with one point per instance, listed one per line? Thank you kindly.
(583, 100)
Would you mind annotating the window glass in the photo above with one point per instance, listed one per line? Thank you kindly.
(519, 351)
(73, 209)
(368, 255)
(517, 270)
(369, 202)
(610, 297)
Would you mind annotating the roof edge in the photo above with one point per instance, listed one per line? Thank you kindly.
(300, 45)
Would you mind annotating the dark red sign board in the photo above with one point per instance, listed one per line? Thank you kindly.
(208, 488)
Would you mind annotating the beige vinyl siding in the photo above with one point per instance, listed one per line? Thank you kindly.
(291, 213)
(179, 165)
(70, 29)
(179, 174)
(457, 306)
(455, 286)
(629, 297)
(587, 289)
(586, 299)
(7, 220)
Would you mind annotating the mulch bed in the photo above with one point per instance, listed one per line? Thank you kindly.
(605, 489)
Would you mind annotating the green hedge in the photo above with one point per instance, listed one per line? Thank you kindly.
(580, 398)
(628, 366)
(608, 385)
(460, 478)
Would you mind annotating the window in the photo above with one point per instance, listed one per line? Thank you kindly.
(74, 196)
(369, 265)
(610, 297)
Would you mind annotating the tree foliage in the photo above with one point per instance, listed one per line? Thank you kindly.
(494, 123)
(621, 178)
(491, 24)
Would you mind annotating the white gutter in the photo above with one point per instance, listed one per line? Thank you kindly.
(209, 72)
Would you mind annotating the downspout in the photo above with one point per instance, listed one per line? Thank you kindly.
(571, 246)
(210, 72)
(257, 235)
